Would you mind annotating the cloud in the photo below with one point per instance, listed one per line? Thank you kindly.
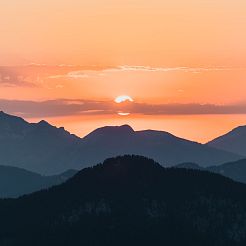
(37, 74)
(71, 75)
(64, 107)
(128, 68)
(96, 72)
(54, 108)
(9, 78)
(187, 109)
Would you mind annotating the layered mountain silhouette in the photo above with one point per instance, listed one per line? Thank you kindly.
(43, 148)
(129, 200)
(15, 182)
(234, 170)
(37, 147)
(164, 147)
(192, 166)
(234, 141)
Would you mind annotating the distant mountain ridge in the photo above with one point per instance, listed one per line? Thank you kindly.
(43, 148)
(15, 182)
(129, 200)
(234, 170)
(162, 146)
(35, 146)
(192, 166)
(234, 141)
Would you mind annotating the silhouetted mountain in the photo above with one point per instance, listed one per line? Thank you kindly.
(132, 201)
(234, 141)
(234, 170)
(110, 132)
(189, 165)
(164, 147)
(37, 147)
(15, 182)
(48, 150)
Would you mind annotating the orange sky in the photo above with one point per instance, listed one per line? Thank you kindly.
(158, 52)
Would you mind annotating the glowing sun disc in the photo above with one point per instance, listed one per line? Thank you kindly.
(123, 114)
(123, 98)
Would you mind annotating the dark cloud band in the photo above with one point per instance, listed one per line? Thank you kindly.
(64, 107)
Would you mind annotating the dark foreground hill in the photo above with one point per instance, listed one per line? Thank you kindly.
(43, 148)
(132, 201)
(15, 182)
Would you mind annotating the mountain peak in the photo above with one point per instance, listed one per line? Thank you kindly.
(122, 128)
(233, 141)
(8, 118)
(189, 165)
(130, 162)
(43, 123)
(126, 168)
(111, 131)
(4, 115)
(126, 128)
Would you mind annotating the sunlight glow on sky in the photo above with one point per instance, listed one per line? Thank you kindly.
(183, 63)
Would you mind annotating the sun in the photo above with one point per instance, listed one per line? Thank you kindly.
(123, 98)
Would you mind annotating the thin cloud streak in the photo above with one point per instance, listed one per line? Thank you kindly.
(81, 74)
(169, 69)
(36, 74)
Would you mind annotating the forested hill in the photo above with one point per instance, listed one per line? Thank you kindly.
(129, 200)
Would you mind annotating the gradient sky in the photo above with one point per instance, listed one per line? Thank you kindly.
(183, 63)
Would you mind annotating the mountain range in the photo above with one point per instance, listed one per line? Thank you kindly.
(234, 141)
(45, 149)
(15, 182)
(234, 170)
(129, 200)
